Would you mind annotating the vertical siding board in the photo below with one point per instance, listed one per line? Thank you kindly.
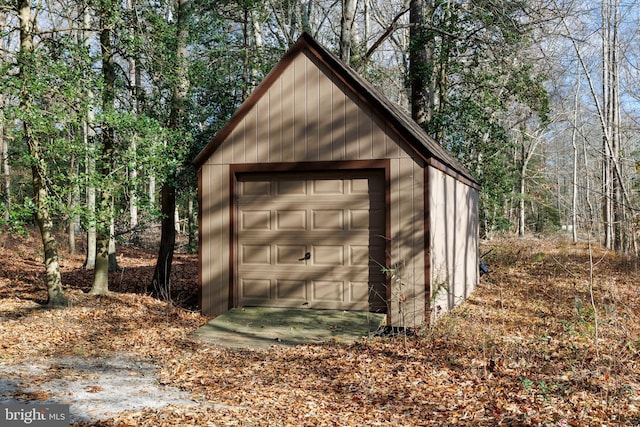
(450, 217)
(313, 111)
(427, 231)
(466, 238)
(338, 123)
(288, 82)
(351, 128)
(299, 106)
(250, 135)
(407, 243)
(262, 130)
(378, 139)
(275, 122)
(238, 144)
(206, 237)
(420, 281)
(411, 231)
(459, 229)
(214, 253)
(436, 233)
(409, 220)
(222, 225)
(365, 134)
(226, 155)
(453, 239)
(324, 114)
(395, 245)
(392, 149)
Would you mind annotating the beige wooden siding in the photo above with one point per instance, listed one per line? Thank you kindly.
(454, 240)
(214, 246)
(325, 125)
(306, 116)
(407, 243)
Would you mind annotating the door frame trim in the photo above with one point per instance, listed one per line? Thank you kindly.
(329, 166)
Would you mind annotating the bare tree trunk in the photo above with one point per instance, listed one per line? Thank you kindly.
(105, 212)
(176, 219)
(618, 214)
(527, 150)
(607, 131)
(6, 168)
(90, 167)
(74, 200)
(4, 143)
(55, 294)
(162, 272)
(133, 171)
(521, 204)
(192, 225)
(587, 189)
(133, 194)
(113, 261)
(574, 175)
(152, 190)
(90, 260)
(258, 43)
(347, 29)
(612, 178)
(421, 65)
(613, 188)
(366, 20)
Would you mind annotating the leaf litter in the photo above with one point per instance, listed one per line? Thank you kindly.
(527, 348)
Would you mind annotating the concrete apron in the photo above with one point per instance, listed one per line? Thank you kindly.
(262, 327)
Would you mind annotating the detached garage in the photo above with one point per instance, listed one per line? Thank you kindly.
(319, 193)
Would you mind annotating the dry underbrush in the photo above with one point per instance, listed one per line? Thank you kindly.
(527, 348)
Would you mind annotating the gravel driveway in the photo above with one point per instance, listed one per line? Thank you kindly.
(95, 388)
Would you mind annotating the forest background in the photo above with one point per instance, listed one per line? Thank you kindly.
(103, 105)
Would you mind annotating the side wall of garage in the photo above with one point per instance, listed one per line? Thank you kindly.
(307, 115)
(454, 241)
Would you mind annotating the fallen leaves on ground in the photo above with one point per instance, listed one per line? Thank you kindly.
(527, 348)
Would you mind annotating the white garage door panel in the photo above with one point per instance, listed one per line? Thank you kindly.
(337, 218)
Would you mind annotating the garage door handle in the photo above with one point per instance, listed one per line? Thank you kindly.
(305, 257)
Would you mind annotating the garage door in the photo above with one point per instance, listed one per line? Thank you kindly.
(311, 240)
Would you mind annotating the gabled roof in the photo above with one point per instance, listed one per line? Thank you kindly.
(416, 138)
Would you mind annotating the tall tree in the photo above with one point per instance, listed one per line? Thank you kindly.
(28, 70)
(611, 180)
(89, 144)
(4, 143)
(134, 83)
(177, 116)
(421, 62)
(616, 203)
(6, 168)
(107, 17)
